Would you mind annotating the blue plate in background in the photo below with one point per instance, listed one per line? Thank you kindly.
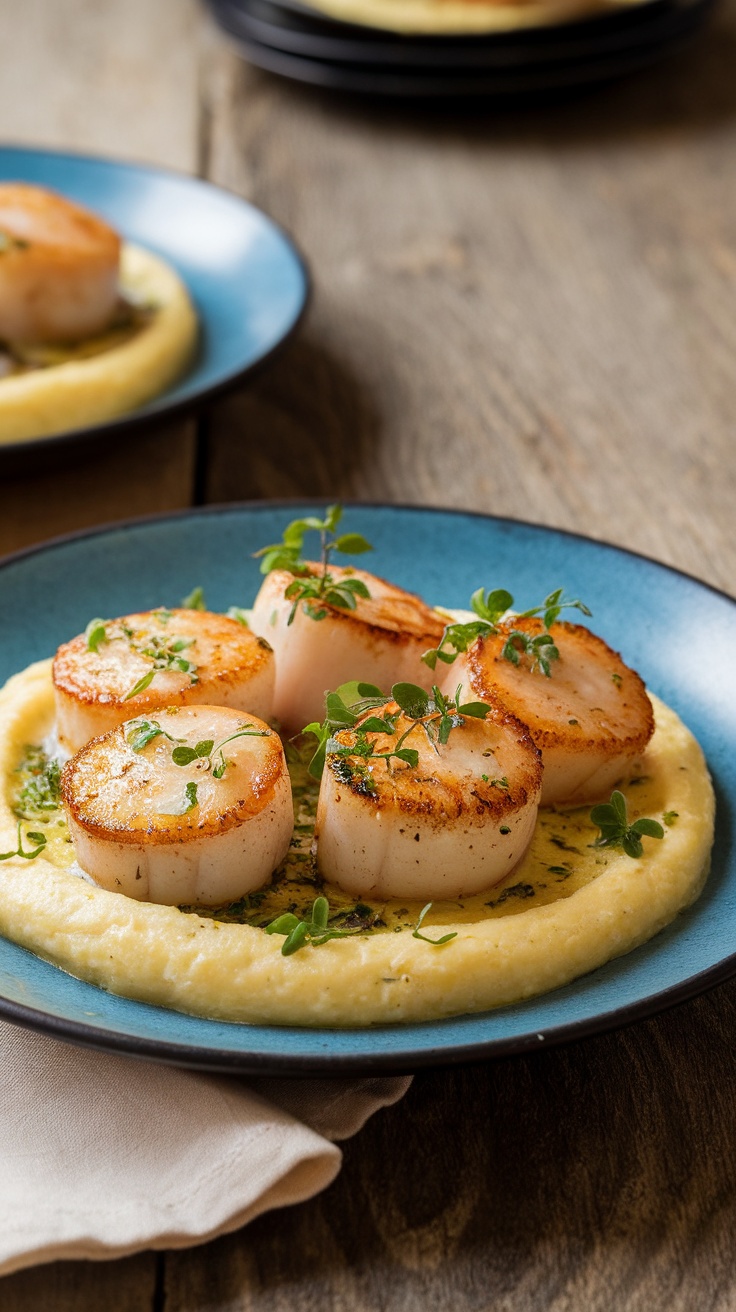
(246, 278)
(680, 635)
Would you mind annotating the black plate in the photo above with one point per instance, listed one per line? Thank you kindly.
(504, 65)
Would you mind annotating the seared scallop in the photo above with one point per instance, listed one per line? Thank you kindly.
(380, 642)
(58, 267)
(453, 824)
(591, 717)
(191, 806)
(129, 666)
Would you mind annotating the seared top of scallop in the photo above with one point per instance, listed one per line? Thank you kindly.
(187, 772)
(389, 609)
(176, 648)
(488, 768)
(36, 217)
(591, 699)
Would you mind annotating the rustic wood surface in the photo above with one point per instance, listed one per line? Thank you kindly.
(529, 313)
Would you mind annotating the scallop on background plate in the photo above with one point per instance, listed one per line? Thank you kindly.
(679, 634)
(248, 282)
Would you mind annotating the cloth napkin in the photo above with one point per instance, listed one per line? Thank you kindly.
(101, 1156)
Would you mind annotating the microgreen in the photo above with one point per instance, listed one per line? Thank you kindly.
(41, 791)
(321, 590)
(436, 942)
(189, 802)
(166, 655)
(490, 607)
(38, 839)
(436, 714)
(612, 820)
(315, 929)
(142, 732)
(95, 633)
(194, 600)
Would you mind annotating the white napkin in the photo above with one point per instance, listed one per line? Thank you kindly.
(101, 1156)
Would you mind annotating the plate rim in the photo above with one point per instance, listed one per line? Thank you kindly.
(231, 1061)
(158, 410)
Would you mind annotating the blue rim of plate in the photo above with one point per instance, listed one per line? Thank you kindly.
(678, 631)
(249, 282)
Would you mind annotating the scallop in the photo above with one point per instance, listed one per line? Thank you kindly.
(130, 666)
(380, 642)
(453, 824)
(193, 806)
(591, 718)
(59, 267)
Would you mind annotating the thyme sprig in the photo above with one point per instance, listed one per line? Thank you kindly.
(434, 713)
(38, 839)
(142, 732)
(315, 929)
(316, 591)
(436, 942)
(41, 791)
(612, 820)
(490, 607)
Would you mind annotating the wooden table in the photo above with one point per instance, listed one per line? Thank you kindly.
(531, 314)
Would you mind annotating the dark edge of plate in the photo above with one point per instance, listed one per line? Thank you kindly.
(227, 1062)
(11, 453)
(267, 24)
(524, 87)
(311, 14)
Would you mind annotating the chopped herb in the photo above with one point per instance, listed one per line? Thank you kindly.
(436, 942)
(315, 930)
(189, 803)
(504, 829)
(502, 783)
(669, 818)
(239, 614)
(436, 714)
(617, 679)
(195, 600)
(516, 890)
(612, 820)
(484, 777)
(41, 791)
(95, 633)
(316, 591)
(38, 839)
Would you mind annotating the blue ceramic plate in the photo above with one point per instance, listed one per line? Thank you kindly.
(678, 633)
(247, 280)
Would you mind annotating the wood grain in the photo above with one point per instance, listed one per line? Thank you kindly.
(532, 314)
(528, 314)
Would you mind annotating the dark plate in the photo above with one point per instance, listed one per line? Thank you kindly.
(505, 66)
(639, 608)
(245, 276)
(275, 24)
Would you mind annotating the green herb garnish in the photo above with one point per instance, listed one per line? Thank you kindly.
(95, 633)
(189, 803)
(612, 820)
(436, 942)
(436, 714)
(166, 655)
(490, 607)
(315, 591)
(194, 600)
(38, 839)
(316, 930)
(41, 792)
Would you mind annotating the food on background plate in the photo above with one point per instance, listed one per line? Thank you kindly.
(121, 668)
(90, 328)
(458, 17)
(321, 942)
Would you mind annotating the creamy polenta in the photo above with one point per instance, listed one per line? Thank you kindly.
(463, 16)
(567, 908)
(100, 379)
